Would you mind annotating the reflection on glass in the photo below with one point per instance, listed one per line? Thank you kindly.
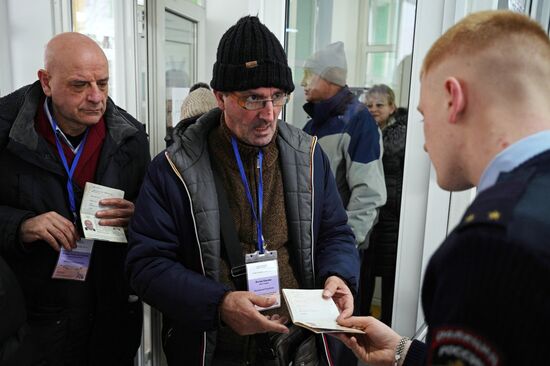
(517, 5)
(380, 67)
(180, 47)
(141, 54)
(96, 19)
(378, 38)
(382, 22)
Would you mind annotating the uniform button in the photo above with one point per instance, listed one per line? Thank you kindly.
(132, 298)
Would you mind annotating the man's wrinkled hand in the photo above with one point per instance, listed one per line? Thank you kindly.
(337, 289)
(238, 312)
(118, 212)
(52, 228)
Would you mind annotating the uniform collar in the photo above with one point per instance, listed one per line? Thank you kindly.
(512, 157)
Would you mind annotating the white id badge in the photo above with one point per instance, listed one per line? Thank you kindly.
(262, 275)
(74, 264)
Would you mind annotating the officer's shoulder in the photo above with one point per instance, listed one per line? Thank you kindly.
(493, 207)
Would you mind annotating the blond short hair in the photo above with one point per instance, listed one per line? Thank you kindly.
(482, 30)
(384, 90)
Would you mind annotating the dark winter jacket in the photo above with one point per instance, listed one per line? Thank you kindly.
(96, 312)
(384, 236)
(174, 257)
(351, 139)
(486, 292)
(13, 316)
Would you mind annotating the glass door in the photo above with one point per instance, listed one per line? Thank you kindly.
(378, 41)
(112, 24)
(176, 52)
(180, 54)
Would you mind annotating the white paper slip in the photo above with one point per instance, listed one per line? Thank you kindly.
(310, 310)
(74, 264)
(93, 193)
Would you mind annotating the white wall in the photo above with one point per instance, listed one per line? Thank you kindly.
(30, 27)
(345, 25)
(5, 50)
(219, 17)
(222, 14)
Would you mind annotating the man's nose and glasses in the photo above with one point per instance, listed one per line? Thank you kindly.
(257, 102)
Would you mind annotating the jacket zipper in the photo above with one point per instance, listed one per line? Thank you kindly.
(312, 187)
(311, 172)
(196, 236)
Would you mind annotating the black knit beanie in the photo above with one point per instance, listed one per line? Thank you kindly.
(250, 56)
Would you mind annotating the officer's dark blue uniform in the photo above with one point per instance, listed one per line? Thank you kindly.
(486, 292)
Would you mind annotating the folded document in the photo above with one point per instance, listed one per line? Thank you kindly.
(310, 310)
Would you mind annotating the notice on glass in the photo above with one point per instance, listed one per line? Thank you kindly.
(74, 264)
(93, 193)
(310, 310)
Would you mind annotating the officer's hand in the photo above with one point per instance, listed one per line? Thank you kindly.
(336, 288)
(375, 347)
(117, 213)
(51, 227)
(238, 312)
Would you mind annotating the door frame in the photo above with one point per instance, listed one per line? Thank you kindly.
(155, 51)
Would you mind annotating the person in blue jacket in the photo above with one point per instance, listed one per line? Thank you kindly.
(484, 98)
(281, 196)
(348, 135)
(353, 143)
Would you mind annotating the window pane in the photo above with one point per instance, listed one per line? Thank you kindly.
(180, 47)
(96, 19)
(380, 67)
(381, 21)
(377, 37)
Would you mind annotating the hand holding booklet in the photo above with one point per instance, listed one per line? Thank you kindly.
(310, 310)
(93, 193)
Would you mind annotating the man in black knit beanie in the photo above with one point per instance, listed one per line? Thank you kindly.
(486, 292)
(280, 197)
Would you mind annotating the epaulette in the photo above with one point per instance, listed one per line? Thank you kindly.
(495, 206)
(493, 216)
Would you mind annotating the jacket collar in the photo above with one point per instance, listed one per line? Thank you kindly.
(323, 110)
(191, 142)
(23, 129)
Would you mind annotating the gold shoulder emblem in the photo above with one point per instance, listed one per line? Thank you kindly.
(469, 218)
(494, 215)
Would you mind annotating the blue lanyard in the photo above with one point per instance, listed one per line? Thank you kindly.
(70, 171)
(257, 217)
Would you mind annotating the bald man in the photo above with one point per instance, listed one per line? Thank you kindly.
(486, 293)
(56, 135)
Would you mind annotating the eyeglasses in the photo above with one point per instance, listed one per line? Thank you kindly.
(376, 105)
(254, 102)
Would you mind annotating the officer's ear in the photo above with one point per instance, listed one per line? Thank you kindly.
(44, 78)
(456, 99)
(219, 98)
